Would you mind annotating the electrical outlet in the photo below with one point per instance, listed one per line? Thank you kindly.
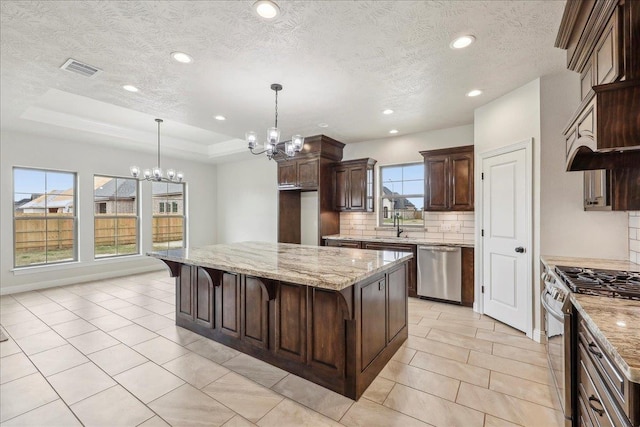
(445, 226)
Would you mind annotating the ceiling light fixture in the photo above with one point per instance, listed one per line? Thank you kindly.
(266, 9)
(393, 131)
(387, 111)
(130, 88)
(219, 117)
(182, 57)
(474, 92)
(155, 174)
(273, 137)
(462, 42)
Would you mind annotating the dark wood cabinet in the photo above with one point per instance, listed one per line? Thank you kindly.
(298, 174)
(309, 171)
(412, 265)
(448, 179)
(467, 276)
(338, 339)
(601, 39)
(353, 185)
(344, 243)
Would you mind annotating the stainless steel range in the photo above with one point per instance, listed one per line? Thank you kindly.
(565, 334)
(605, 283)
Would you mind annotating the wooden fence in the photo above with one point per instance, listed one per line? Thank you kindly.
(56, 232)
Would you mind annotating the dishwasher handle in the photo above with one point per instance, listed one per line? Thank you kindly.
(439, 248)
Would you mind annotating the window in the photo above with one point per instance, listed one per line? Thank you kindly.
(168, 215)
(116, 216)
(44, 217)
(402, 194)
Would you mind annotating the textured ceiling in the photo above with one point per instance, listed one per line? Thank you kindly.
(340, 62)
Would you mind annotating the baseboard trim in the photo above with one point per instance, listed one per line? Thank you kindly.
(539, 336)
(79, 279)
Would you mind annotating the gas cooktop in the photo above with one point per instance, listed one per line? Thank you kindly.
(598, 282)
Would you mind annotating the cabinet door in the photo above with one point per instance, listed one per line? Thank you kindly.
(374, 319)
(461, 185)
(397, 294)
(308, 173)
(204, 298)
(340, 189)
(184, 300)
(357, 187)
(436, 183)
(467, 277)
(287, 174)
(607, 54)
(228, 304)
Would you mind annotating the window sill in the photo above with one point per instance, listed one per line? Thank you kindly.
(404, 227)
(19, 271)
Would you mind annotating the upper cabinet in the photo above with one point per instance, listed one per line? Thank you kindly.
(296, 174)
(448, 179)
(602, 40)
(353, 186)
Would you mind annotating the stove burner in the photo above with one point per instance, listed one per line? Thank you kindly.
(599, 282)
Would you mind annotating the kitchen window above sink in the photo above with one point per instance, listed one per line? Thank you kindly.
(402, 195)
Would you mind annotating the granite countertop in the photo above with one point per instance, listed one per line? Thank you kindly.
(615, 322)
(409, 240)
(319, 266)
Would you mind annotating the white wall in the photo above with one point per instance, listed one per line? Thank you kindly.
(247, 206)
(18, 149)
(512, 118)
(566, 229)
(406, 148)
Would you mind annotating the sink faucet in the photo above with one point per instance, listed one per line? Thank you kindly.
(396, 223)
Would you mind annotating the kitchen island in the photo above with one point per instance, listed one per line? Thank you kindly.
(334, 316)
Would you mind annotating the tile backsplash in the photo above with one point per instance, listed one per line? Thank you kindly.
(634, 236)
(437, 226)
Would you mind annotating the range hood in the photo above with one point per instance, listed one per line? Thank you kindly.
(605, 134)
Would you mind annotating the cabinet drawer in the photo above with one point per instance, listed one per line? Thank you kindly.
(599, 403)
(344, 243)
(607, 370)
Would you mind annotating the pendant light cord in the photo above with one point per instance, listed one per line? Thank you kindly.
(159, 121)
(276, 126)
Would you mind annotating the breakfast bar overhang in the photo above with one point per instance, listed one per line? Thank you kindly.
(334, 316)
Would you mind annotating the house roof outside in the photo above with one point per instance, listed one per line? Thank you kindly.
(55, 199)
(398, 203)
(105, 189)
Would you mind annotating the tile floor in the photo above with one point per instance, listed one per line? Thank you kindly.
(107, 353)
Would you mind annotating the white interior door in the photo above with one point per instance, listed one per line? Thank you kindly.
(506, 195)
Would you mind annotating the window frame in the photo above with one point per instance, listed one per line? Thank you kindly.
(382, 196)
(168, 213)
(44, 218)
(116, 216)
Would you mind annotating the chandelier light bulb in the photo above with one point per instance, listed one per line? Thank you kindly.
(288, 149)
(251, 138)
(179, 176)
(135, 171)
(273, 135)
(297, 141)
(157, 173)
(171, 174)
(147, 173)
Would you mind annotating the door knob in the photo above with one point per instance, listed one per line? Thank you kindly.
(520, 249)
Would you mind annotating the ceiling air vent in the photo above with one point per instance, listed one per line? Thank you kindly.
(80, 68)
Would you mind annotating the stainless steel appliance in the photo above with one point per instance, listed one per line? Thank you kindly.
(603, 389)
(557, 319)
(440, 272)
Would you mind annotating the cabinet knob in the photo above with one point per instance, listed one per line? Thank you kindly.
(520, 249)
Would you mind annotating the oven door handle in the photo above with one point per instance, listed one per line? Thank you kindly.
(549, 309)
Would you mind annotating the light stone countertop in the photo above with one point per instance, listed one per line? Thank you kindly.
(319, 266)
(409, 240)
(615, 322)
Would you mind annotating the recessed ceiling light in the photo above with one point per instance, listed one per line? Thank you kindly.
(462, 42)
(323, 125)
(221, 118)
(393, 131)
(182, 57)
(266, 9)
(387, 111)
(474, 92)
(130, 88)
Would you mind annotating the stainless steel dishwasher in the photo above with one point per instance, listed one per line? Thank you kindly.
(439, 272)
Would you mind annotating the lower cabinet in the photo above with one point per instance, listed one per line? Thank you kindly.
(338, 339)
(605, 397)
(413, 262)
(412, 280)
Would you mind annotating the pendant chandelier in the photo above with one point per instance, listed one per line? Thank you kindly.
(273, 138)
(155, 174)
